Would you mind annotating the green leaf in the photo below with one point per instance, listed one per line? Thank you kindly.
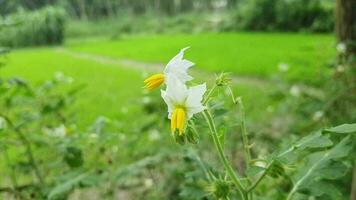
(331, 171)
(316, 140)
(343, 129)
(320, 167)
(321, 188)
(62, 189)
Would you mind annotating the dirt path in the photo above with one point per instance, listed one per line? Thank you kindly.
(153, 67)
(157, 67)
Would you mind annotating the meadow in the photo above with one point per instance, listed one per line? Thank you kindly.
(177, 99)
(253, 56)
(110, 74)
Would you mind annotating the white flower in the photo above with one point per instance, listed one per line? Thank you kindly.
(182, 102)
(318, 115)
(148, 182)
(60, 131)
(341, 47)
(177, 67)
(295, 91)
(340, 68)
(154, 135)
(283, 67)
(2, 123)
(93, 135)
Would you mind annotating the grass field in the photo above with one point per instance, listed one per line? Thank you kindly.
(116, 91)
(252, 54)
(113, 71)
(106, 92)
(113, 91)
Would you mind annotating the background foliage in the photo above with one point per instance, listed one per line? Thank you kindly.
(75, 123)
(45, 26)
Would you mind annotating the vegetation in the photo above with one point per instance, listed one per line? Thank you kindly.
(41, 27)
(252, 54)
(87, 118)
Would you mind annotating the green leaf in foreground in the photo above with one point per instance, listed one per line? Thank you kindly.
(319, 168)
(313, 141)
(344, 129)
(62, 189)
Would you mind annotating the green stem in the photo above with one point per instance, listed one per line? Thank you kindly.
(253, 186)
(222, 156)
(207, 97)
(27, 145)
(244, 133)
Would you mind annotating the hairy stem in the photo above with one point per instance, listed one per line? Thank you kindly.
(207, 97)
(244, 133)
(222, 156)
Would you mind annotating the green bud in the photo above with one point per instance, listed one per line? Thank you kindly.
(220, 189)
(276, 169)
(192, 135)
(223, 79)
(180, 139)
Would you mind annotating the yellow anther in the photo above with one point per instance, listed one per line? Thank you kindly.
(178, 120)
(154, 81)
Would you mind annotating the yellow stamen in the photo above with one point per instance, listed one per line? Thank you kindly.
(178, 120)
(154, 81)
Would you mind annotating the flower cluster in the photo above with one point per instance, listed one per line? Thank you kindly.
(182, 101)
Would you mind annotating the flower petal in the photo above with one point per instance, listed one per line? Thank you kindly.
(194, 100)
(169, 103)
(179, 67)
(176, 90)
(175, 94)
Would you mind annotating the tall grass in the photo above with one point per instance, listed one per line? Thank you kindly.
(41, 27)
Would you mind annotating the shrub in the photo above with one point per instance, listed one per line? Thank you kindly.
(284, 15)
(41, 27)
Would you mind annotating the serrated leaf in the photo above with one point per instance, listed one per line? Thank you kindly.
(333, 170)
(322, 188)
(316, 140)
(320, 161)
(343, 129)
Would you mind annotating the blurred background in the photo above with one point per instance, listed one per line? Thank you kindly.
(75, 122)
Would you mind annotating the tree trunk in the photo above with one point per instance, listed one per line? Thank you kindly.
(346, 33)
(346, 24)
(82, 10)
(353, 186)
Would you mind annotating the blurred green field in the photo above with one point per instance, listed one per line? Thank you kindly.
(77, 122)
(246, 54)
(114, 90)
(108, 82)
